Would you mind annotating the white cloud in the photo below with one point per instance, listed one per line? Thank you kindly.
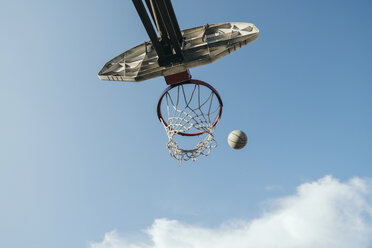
(325, 213)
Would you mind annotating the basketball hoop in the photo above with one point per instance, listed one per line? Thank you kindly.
(192, 108)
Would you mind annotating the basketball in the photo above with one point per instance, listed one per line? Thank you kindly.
(237, 139)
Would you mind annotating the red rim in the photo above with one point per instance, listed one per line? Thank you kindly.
(191, 81)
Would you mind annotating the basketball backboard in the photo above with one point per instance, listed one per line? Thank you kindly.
(202, 45)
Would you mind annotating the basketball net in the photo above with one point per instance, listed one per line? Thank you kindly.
(202, 148)
(190, 115)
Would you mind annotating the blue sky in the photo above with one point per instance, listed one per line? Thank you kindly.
(83, 157)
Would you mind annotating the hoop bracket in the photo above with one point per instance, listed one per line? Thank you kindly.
(178, 77)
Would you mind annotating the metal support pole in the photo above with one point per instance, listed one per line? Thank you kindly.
(149, 27)
(170, 28)
(173, 18)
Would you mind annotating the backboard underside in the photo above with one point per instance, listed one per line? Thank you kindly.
(202, 45)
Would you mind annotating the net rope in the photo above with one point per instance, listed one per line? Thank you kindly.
(183, 117)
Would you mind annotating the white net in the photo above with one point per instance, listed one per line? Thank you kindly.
(202, 148)
(192, 110)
